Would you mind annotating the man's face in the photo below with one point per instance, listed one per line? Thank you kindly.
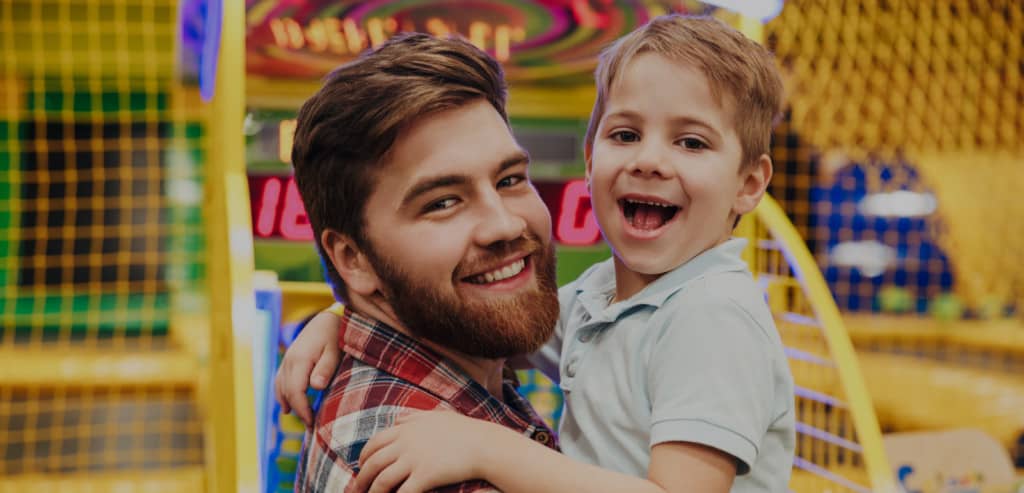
(459, 238)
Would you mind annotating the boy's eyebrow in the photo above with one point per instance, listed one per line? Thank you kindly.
(686, 120)
(625, 114)
(427, 184)
(678, 121)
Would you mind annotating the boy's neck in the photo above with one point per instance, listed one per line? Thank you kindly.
(629, 282)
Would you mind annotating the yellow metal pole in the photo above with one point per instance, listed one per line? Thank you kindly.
(230, 407)
(839, 345)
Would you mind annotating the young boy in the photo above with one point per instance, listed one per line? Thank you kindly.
(668, 357)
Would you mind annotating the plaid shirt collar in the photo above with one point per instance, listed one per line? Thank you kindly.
(381, 346)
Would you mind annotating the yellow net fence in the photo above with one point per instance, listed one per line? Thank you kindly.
(903, 148)
(104, 305)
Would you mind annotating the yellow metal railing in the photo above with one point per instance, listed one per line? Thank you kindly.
(839, 445)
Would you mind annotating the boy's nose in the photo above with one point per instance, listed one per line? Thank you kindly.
(649, 164)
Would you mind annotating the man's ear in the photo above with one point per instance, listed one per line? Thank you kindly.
(351, 263)
(755, 178)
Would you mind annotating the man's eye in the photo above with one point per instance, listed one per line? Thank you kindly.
(441, 205)
(625, 136)
(693, 143)
(512, 180)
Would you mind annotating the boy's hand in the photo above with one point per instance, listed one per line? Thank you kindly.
(309, 361)
(423, 451)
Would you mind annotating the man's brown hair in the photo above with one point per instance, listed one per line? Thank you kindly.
(345, 130)
(742, 74)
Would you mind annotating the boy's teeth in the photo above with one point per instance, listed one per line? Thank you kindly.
(501, 274)
(645, 202)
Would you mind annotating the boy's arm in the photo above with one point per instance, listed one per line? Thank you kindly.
(431, 449)
(309, 361)
(675, 467)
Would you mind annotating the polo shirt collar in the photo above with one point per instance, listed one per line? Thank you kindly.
(595, 290)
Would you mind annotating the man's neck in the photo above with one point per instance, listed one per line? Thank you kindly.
(487, 372)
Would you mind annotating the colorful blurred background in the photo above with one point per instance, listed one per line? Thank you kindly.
(155, 257)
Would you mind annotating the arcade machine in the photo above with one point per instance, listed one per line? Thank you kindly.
(548, 49)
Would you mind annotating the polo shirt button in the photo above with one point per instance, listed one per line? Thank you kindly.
(570, 369)
(542, 436)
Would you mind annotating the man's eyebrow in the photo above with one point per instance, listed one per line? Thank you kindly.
(431, 183)
(434, 182)
(520, 157)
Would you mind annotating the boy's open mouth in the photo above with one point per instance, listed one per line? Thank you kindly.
(647, 215)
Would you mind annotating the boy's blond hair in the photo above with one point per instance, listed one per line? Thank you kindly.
(735, 66)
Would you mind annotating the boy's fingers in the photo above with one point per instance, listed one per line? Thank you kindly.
(411, 485)
(377, 442)
(300, 407)
(372, 466)
(295, 379)
(323, 369)
(390, 478)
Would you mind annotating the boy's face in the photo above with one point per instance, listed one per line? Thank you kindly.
(460, 241)
(664, 171)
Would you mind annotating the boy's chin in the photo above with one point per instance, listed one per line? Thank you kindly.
(645, 265)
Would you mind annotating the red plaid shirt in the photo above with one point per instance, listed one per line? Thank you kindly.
(385, 374)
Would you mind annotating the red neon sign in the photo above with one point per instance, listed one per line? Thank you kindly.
(576, 224)
(278, 211)
(276, 214)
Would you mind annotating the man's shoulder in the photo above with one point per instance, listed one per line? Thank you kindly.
(362, 401)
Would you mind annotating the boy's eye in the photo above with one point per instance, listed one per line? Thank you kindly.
(625, 136)
(440, 205)
(693, 143)
(510, 181)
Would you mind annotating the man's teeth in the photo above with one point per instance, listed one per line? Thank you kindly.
(501, 274)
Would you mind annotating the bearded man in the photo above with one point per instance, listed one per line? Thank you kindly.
(435, 240)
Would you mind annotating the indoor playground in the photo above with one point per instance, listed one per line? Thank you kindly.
(156, 259)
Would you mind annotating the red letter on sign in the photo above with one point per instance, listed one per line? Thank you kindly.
(270, 198)
(569, 232)
(294, 222)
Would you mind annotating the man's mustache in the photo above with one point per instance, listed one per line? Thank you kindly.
(498, 253)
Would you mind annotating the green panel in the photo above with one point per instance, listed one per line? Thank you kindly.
(572, 261)
(110, 314)
(55, 100)
(292, 260)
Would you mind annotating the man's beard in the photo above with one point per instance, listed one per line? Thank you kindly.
(496, 328)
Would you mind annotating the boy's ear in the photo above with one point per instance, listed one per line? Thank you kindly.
(352, 264)
(755, 178)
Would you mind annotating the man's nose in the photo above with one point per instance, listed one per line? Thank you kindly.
(497, 222)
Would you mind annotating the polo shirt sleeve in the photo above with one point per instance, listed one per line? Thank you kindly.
(710, 378)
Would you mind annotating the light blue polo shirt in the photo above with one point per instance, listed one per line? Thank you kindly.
(693, 357)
